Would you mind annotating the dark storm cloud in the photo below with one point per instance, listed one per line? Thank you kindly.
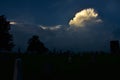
(90, 38)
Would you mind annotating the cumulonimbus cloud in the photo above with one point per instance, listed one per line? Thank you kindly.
(85, 17)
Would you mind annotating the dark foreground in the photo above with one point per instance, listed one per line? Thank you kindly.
(61, 66)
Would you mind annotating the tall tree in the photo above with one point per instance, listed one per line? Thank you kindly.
(36, 46)
(6, 39)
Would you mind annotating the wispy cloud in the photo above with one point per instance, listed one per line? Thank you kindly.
(50, 28)
(13, 23)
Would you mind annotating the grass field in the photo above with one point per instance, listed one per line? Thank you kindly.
(59, 66)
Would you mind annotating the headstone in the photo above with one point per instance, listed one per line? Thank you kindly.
(114, 46)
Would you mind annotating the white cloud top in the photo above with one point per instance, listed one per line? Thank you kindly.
(85, 17)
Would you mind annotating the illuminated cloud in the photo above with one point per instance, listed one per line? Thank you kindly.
(40, 26)
(13, 23)
(50, 28)
(85, 17)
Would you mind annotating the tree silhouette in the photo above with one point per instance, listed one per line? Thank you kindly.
(6, 39)
(35, 45)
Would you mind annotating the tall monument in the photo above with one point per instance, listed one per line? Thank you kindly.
(17, 75)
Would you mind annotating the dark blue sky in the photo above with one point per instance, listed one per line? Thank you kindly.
(53, 12)
(59, 12)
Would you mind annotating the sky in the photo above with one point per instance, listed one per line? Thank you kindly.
(77, 25)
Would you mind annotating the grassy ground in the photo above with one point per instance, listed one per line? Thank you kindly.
(59, 66)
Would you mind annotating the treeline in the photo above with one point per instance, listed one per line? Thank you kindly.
(68, 56)
(7, 40)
